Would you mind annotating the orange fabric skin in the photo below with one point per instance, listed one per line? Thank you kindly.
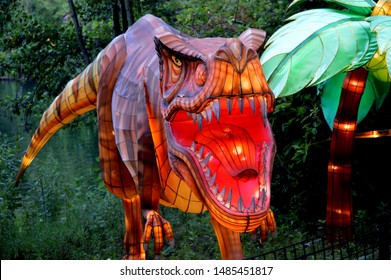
(182, 122)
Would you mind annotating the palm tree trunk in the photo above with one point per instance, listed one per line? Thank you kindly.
(339, 190)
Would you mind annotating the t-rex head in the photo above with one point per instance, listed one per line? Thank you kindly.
(215, 101)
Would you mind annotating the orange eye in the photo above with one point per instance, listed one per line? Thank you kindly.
(176, 61)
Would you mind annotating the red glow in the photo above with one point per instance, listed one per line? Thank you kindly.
(233, 149)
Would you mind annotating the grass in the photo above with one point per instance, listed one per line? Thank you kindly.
(54, 217)
(50, 216)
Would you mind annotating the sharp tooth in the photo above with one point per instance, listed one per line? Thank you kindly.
(205, 161)
(212, 180)
(229, 105)
(262, 108)
(229, 198)
(204, 114)
(194, 116)
(200, 152)
(216, 109)
(193, 147)
(209, 114)
(262, 104)
(240, 206)
(252, 205)
(220, 196)
(199, 119)
(215, 190)
(262, 199)
(251, 101)
(260, 100)
(241, 104)
(207, 172)
(188, 114)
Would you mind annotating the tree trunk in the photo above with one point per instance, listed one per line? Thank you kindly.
(116, 21)
(78, 32)
(124, 16)
(339, 189)
(129, 11)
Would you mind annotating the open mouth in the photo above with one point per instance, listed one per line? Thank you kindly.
(231, 144)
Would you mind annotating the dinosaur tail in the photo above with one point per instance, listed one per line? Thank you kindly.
(78, 97)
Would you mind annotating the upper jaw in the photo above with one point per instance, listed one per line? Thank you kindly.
(229, 147)
(247, 88)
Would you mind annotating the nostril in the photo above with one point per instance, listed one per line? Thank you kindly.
(224, 54)
(246, 175)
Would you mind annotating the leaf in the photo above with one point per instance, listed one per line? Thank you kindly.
(315, 46)
(375, 91)
(382, 26)
(388, 59)
(362, 7)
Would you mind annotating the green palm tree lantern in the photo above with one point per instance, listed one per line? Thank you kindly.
(346, 53)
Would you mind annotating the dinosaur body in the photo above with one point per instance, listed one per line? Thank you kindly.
(182, 122)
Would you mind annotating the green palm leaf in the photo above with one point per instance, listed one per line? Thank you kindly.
(382, 26)
(315, 46)
(362, 7)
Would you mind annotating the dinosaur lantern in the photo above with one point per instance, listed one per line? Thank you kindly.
(182, 122)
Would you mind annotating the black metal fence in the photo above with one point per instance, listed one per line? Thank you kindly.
(368, 241)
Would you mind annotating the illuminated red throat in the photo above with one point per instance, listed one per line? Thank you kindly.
(231, 144)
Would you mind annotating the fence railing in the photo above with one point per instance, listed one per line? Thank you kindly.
(368, 241)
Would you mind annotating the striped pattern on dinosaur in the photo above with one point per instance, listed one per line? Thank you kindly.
(182, 122)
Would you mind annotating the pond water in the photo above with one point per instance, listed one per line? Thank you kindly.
(73, 151)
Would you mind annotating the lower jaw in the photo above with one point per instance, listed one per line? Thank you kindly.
(231, 218)
(243, 222)
(236, 221)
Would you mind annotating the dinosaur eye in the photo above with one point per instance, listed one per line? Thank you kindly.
(176, 61)
(176, 69)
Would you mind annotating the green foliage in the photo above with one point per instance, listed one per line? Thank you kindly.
(9, 197)
(194, 236)
(222, 18)
(300, 165)
(95, 18)
(38, 42)
(50, 13)
(363, 7)
(316, 50)
(43, 50)
(53, 217)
